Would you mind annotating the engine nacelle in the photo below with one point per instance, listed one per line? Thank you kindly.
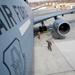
(61, 27)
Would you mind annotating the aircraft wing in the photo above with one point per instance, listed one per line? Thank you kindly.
(45, 17)
(38, 7)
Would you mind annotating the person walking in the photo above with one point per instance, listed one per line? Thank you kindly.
(49, 44)
(39, 35)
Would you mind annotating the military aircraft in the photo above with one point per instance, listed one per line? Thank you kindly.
(16, 35)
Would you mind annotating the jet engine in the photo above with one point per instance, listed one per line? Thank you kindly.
(61, 28)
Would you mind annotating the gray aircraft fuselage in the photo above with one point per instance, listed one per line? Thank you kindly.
(16, 37)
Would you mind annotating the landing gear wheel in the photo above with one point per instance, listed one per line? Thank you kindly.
(40, 28)
(45, 28)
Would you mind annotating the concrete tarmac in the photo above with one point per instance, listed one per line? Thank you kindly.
(59, 61)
